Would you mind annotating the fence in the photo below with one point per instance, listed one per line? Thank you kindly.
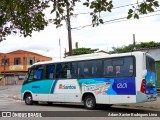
(11, 80)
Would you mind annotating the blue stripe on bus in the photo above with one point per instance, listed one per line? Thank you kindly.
(53, 86)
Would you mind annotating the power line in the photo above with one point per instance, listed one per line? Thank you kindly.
(133, 19)
(112, 8)
(115, 21)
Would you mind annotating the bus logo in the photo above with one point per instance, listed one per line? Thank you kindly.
(60, 86)
(67, 86)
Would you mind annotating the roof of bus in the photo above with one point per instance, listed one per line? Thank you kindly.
(89, 57)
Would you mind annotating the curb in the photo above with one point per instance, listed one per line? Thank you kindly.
(137, 107)
(15, 97)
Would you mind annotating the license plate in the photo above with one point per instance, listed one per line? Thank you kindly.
(151, 91)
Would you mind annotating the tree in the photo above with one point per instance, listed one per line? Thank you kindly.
(80, 51)
(26, 16)
(23, 16)
(129, 48)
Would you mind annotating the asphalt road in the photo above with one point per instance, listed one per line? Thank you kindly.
(7, 103)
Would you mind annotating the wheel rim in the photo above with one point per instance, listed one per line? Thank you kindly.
(89, 102)
(28, 99)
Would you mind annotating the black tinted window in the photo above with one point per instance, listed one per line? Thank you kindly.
(63, 70)
(50, 70)
(118, 67)
(89, 69)
(73, 70)
(150, 64)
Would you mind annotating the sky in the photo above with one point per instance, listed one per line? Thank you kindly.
(103, 37)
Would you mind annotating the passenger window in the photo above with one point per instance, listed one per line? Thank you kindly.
(108, 68)
(50, 70)
(66, 72)
(59, 71)
(118, 67)
(63, 71)
(97, 68)
(81, 69)
(73, 70)
(90, 69)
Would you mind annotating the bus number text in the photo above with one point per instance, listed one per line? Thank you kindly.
(122, 85)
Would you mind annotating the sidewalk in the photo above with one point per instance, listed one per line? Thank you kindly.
(148, 105)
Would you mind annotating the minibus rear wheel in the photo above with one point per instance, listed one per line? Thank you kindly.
(90, 102)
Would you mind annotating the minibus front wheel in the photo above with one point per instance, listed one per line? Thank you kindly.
(28, 99)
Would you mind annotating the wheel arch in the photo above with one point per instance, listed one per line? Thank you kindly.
(86, 94)
(25, 93)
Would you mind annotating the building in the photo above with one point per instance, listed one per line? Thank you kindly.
(153, 51)
(17, 62)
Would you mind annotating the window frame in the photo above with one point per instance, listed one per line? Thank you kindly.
(17, 58)
(92, 60)
(122, 57)
(5, 61)
(148, 57)
(34, 68)
(45, 71)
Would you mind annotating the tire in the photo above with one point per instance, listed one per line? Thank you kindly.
(28, 99)
(90, 102)
(35, 102)
(107, 106)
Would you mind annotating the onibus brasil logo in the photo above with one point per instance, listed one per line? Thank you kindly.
(67, 86)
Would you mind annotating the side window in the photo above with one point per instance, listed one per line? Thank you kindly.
(119, 67)
(89, 69)
(81, 69)
(73, 70)
(66, 71)
(150, 64)
(59, 70)
(63, 70)
(108, 68)
(97, 68)
(36, 73)
(127, 68)
(50, 70)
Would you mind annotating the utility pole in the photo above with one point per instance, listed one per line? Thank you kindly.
(134, 42)
(4, 69)
(64, 52)
(69, 31)
(60, 48)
